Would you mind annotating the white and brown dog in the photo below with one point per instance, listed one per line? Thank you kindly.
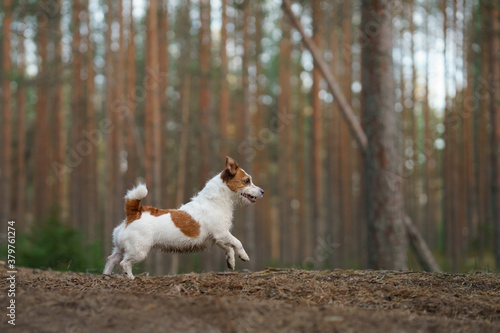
(204, 221)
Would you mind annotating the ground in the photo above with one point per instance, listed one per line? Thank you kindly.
(274, 300)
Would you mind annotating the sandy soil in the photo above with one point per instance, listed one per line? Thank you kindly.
(267, 301)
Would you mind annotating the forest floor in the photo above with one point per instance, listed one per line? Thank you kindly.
(274, 300)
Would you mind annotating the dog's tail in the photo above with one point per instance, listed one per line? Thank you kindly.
(133, 199)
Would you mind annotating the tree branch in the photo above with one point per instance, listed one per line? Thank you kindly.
(344, 106)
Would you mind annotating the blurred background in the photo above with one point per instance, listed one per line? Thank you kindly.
(97, 95)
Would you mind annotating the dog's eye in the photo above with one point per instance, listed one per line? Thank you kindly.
(247, 181)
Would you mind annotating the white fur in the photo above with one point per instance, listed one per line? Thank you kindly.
(139, 192)
(212, 208)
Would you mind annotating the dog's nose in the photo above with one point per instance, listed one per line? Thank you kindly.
(262, 191)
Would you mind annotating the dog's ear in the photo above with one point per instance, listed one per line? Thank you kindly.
(231, 166)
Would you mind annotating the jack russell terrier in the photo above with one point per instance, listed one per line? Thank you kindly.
(204, 221)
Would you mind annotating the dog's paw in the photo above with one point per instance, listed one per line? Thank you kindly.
(244, 257)
(230, 263)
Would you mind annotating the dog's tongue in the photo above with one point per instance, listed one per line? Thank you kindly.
(249, 197)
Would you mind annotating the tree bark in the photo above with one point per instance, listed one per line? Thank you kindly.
(319, 224)
(388, 242)
(6, 158)
(130, 139)
(284, 108)
(21, 136)
(204, 98)
(41, 150)
(164, 63)
(345, 148)
(494, 64)
(224, 89)
(91, 127)
(249, 213)
(204, 102)
(78, 182)
(111, 145)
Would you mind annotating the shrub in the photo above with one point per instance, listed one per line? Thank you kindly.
(57, 246)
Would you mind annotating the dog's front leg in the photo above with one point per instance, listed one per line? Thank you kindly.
(229, 253)
(238, 247)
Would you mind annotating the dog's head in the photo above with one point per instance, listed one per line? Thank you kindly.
(240, 183)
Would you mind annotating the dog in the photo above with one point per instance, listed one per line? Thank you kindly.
(204, 221)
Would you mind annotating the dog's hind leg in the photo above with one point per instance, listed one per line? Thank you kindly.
(112, 260)
(130, 260)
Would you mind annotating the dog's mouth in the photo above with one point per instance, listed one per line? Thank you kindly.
(250, 198)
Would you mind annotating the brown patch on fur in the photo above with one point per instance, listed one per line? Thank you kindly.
(238, 181)
(133, 210)
(233, 176)
(231, 169)
(185, 223)
(182, 220)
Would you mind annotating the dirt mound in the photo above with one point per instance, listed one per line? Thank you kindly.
(271, 300)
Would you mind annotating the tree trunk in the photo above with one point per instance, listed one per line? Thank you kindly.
(130, 142)
(78, 181)
(345, 148)
(111, 144)
(91, 127)
(58, 128)
(41, 150)
(319, 224)
(494, 64)
(387, 243)
(204, 98)
(153, 83)
(21, 136)
(429, 217)
(224, 89)
(185, 88)
(204, 103)
(164, 63)
(284, 108)
(336, 209)
(249, 212)
(6, 159)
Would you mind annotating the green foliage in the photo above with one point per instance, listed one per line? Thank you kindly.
(57, 246)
